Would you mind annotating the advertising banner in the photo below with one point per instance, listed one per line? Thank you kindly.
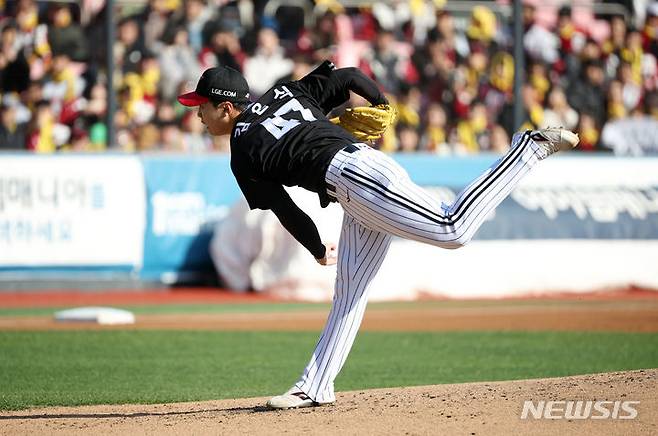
(186, 197)
(71, 211)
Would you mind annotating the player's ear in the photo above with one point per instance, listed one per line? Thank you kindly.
(229, 108)
(223, 107)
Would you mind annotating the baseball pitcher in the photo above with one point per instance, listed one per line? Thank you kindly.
(285, 138)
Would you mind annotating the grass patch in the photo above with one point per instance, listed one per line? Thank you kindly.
(132, 366)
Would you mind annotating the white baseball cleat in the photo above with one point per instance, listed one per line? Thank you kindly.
(292, 399)
(554, 139)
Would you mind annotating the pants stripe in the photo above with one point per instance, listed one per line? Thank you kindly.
(503, 166)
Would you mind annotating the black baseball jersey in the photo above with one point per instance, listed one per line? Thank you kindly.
(285, 138)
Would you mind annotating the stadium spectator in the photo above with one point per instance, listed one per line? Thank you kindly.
(65, 35)
(558, 112)
(152, 23)
(61, 84)
(14, 68)
(496, 87)
(193, 138)
(31, 34)
(409, 106)
(198, 15)
(631, 88)
(499, 140)
(435, 138)
(129, 47)
(616, 107)
(566, 30)
(148, 138)
(482, 30)
(13, 134)
(384, 62)
(317, 41)
(178, 63)
(539, 80)
(45, 135)
(268, 63)
(650, 29)
(464, 94)
(171, 138)
(532, 111)
(140, 96)
(222, 48)
(472, 132)
(96, 105)
(540, 43)
(435, 63)
(28, 101)
(613, 46)
(477, 64)
(588, 131)
(409, 139)
(302, 65)
(586, 94)
(571, 41)
(445, 30)
(348, 51)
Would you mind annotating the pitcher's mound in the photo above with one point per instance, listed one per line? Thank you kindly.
(467, 409)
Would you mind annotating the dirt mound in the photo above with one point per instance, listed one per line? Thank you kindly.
(470, 409)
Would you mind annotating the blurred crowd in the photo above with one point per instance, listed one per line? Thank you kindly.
(451, 76)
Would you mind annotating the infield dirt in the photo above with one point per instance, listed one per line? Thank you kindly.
(466, 409)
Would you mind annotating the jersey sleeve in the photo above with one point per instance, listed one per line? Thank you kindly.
(300, 226)
(260, 194)
(268, 195)
(331, 87)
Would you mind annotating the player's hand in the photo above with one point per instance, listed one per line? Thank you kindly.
(330, 255)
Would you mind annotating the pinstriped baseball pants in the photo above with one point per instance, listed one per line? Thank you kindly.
(380, 200)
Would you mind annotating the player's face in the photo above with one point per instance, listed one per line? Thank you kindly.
(215, 118)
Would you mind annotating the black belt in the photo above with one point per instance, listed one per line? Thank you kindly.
(350, 148)
(331, 188)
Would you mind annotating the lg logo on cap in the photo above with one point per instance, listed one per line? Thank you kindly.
(223, 92)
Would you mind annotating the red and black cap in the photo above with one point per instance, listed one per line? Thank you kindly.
(217, 85)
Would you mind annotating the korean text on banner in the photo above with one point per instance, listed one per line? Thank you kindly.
(71, 211)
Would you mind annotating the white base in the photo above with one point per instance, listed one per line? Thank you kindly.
(98, 315)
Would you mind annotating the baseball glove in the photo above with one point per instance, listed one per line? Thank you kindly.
(367, 123)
